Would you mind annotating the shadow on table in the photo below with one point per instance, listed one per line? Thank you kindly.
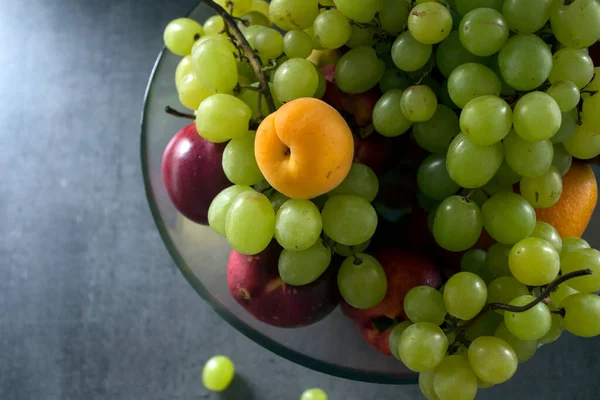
(238, 390)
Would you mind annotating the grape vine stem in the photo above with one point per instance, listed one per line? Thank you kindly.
(170, 110)
(255, 62)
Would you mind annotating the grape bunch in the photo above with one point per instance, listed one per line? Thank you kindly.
(502, 95)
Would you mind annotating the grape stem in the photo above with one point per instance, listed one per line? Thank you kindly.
(171, 111)
(590, 92)
(255, 62)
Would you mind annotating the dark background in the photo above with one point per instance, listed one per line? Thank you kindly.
(91, 305)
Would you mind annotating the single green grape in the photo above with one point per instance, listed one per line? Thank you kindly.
(191, 92)
(584, 143)
(214, 25)
(292, 15)
(360, 181)
(457, 224)
(532, 324)
(562, 160)
(433, 178)
(566, 94)
(537, 117)
(524, 349)
(582, 314)
(386, 118)
(556, 330)
(436, 134)
(496, 259)
(525, 62)
(576, 24)
(250, 33)
(470, 80)
(454, 379)
(526, 17)
(418, 103)
(250, 223)
(422, 346)
(332, 29)
(544, 230)
(393, 78)
(239, 163)
(313, 394)
(426, 385)
(583, 259)
(472, 166)
(359, 70)
(298, 225)
(360, 37)
(215, 68)
(359, 11)
(393, 17)
(408, 54)
(297, 44)
(217, 211)
(184, 67)
(492, 359)
(425, 304)
(214, 42)
(483, 31)
(269, 43)
(300, 268)
(508, 217)
(349, 219)
(474, 261)
(429, 22)
(465, 295)
(528, 158)
(181, 34)
(572, 65)
(486, 120)
(534, 262)
(557, 296)
(218, 373)
(504, 289)
(567, 126)
(362, 281)
(571, 244)
(294, 79)
(394, 338)
(542, 191)
(221, 117)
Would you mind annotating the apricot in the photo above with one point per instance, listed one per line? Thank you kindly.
(304, 149)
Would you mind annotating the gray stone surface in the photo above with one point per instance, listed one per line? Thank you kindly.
(91, 304)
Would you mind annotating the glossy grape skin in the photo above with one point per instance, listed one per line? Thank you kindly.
(583, 259)
(359, 70)
(504, 289)
(433, 178)
(387, 119)
(584, 143)
(537, 117)
(395, 335)
(526, 17)
(486, 120)
(472, 166)
(544, 230)
(218, 373)
(556, 330)
(408, 54)
(217, 212)
(572, 65)
(492, 359)
(571, 244)
(250, 223)
(582, 314)
(181, 34)
(239, 163)
(213, 25)
(362, 11)
(426, 385)
(508, 217)
(313, 394)
(362, 281)
(222, 117)
(191, 92)
(418, 103)
(457, 224)
(542, 191)
(300, 268)
(471, 80)
(566, 94)
(360, 181)
(525, 62)
(496, 259)
(422, 346)
(393, 17)
(392, 79)
(454, 379)
(348, 219)
(483, 31)
(215, 68)
(425, 304)
(534, 262)
(184, 67)
(567, 127)
(576, 25)
(436, 134)
(532, 324)
(557, 296)
(465, 6)
(360, 37)
(465, 295)
(269, 43)
(451, 54)
(298, 225)
(429, 22)
(294, 79)
(474, 261)
(332, 29)
(297, 44)
(293, 14)
(528, 158)
(524, 349)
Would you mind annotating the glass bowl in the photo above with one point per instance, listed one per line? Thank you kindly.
(333, 345)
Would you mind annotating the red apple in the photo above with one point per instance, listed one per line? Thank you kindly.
(192, 173)
(255, 284)
(379, 340)
(404, 270)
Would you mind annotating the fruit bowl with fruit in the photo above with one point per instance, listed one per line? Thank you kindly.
(384, 190)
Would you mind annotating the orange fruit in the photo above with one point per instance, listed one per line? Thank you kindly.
(571, 215)
(304, 149)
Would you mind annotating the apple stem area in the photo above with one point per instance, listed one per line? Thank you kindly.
(237, 37)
